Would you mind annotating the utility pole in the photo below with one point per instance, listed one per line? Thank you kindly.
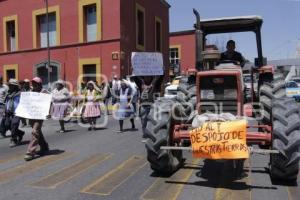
(48, 67)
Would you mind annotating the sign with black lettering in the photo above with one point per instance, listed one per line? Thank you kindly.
(220, 140)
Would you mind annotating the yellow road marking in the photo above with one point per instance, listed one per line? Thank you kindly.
(161, 189)
(31, 166)
(233, 193)
(53, 180)
(113, 179)
(11, 157)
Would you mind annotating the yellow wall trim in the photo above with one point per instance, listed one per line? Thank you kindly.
(138, 7)
(10, 67)
(157, 19)
(81, 4)
(42, 11)
(5, 20)
(179, 49)
(89, 61)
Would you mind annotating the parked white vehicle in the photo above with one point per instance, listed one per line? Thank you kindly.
(171, 91)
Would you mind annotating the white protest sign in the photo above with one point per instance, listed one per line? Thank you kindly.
(147, 64)
(34, 105)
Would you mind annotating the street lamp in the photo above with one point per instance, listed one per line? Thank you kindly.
(48, 67)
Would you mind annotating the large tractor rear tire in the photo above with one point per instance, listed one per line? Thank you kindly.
(285, 139)
(270, 90)
(187, 98)
(158, 129)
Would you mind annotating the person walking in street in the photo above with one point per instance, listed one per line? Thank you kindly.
(37, 134)
(135, 94)
(12, 121)
(92, 105)
(115, 88)
(106, 94)
(25, 87)
(60, 103)
(124, 106)
(147, 99)
(3, 93)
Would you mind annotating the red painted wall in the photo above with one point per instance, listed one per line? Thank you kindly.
(68, 16)
(128, 28)
(118, 34)
(68, 58)
(187, 43)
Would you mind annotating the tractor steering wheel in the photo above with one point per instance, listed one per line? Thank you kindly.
(229, 61)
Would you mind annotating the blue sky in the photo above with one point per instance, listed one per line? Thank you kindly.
(280, 32)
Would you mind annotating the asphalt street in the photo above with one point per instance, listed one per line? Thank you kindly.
(104, 164)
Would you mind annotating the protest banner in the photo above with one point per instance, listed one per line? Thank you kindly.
(34, 105)
(147, 64)
(220, 140)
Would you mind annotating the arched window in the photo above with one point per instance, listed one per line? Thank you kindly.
(42, 71)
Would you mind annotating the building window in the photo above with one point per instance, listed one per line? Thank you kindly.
(10, 33)
(42, 72)
(90, 29)
(89, 72)
(89, 20)
(39, 28)
(89, 69)
(174, 55)
(42, 30)
(140, 27)
(158, 34)
(10, 71)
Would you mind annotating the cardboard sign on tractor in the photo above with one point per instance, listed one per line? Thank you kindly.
(220, 140)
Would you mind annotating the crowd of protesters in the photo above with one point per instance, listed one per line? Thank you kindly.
(120, 97)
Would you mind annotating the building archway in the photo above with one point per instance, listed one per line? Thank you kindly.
(41, 71)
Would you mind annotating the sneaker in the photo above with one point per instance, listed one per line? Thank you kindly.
(29, 156)
(90, 128)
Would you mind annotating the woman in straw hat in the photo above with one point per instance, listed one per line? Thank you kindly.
(60, 103)
(92, 105)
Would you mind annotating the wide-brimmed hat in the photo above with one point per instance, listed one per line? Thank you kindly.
(61, 82)
(13, 81)
(91, 82)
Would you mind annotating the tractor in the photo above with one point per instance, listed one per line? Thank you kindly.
(220, 83)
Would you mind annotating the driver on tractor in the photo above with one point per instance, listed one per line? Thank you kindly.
(232, 55)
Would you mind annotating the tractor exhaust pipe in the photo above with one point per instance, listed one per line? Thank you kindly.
(199, 42)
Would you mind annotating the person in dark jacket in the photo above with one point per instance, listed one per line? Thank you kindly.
(232, 55)
(11, 120)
